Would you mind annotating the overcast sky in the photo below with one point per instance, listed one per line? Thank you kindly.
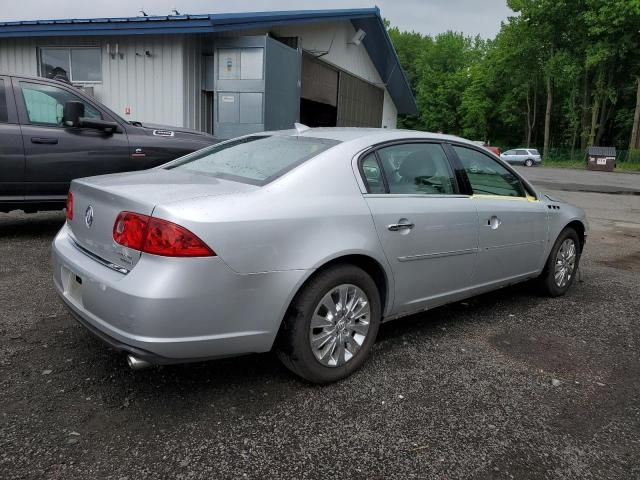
(426, 16)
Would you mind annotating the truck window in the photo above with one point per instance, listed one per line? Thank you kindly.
(45, 103)
(4, 114)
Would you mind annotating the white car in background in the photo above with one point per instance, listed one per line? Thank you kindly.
(522, 156)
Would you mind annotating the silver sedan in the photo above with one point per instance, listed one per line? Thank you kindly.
(302, 241)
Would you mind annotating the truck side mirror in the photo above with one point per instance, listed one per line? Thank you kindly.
(72, 112)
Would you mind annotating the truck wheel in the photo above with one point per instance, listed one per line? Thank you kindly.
(560, 270)
(331, 325)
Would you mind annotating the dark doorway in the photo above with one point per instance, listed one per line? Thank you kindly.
(319, 93)
(317, 114)
(332, 97)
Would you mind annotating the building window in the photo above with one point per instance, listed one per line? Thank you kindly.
(81, 64)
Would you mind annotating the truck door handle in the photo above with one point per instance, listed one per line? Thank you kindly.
(395, 227)
(45, 140)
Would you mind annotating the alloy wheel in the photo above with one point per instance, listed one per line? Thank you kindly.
(339, 325)
(565, 263)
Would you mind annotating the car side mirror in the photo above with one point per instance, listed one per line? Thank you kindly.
(71, 113)
(97, 124)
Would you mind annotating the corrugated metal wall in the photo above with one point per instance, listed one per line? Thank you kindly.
(319, 81)
(153, 87)
(194, 111)
(360, 103)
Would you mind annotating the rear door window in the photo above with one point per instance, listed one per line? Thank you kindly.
(4, 112)
(521, 152)
(257, 160)
(417, 168)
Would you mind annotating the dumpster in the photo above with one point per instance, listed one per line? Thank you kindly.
(601, 158)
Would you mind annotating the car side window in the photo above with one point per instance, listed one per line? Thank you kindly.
(372, 174)
(4, 113)
(45, 103)
(521, 152)
(487, 176)
(417, 168)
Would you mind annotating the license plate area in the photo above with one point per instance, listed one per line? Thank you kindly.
(72, 284)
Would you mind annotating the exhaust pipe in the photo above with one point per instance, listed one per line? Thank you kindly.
(136, 363)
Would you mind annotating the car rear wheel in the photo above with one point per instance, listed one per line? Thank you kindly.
(528, 162)
(561, 267)
(331, 325)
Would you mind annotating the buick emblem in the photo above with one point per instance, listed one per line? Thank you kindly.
(88, 216)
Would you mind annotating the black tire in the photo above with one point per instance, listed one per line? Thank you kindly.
(547, 278)
(528, 162)
(293, 344)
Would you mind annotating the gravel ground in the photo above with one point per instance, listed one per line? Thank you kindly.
(506, 385)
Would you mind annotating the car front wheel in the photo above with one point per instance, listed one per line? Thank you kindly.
(561, 267)
(331, 325)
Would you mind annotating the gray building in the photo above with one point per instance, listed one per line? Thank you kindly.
(227, 74)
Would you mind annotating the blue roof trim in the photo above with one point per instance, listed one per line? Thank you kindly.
(377, 41)
(384, 57)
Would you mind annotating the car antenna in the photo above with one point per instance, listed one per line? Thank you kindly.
(300, 128)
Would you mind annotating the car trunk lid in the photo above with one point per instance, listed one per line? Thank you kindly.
(97, 201)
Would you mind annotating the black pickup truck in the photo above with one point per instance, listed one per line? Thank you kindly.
(51, 133)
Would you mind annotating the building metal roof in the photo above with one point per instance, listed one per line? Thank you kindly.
(602, 151)
(377, 41)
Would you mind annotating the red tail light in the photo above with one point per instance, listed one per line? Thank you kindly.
(171, 240)
(157, 236)
(69, 207)
(129, 229)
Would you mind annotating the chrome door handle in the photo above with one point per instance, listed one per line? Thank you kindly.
(494, 222)
(394, 227)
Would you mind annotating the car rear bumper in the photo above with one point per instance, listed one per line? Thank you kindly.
(172, 310)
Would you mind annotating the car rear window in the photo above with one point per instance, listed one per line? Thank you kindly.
(257, 160)
(533, 151)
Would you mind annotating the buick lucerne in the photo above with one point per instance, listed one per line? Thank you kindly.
(302, 241)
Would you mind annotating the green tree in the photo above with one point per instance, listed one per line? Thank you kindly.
(444, 75)
(559, 73)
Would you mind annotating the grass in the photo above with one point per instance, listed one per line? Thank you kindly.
(628, 167)
(580, 165)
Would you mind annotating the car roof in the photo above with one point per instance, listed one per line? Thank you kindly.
(377, 135)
